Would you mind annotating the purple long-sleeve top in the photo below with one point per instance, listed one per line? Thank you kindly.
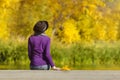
(39, 50)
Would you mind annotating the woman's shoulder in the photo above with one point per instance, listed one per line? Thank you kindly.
(46, 37)
(42, 36)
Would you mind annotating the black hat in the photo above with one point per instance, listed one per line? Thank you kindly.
(40, 27)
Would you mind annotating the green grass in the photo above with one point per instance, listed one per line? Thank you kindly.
(13, 55)
(81, 56)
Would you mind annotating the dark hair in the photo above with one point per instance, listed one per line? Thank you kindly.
(40, 27)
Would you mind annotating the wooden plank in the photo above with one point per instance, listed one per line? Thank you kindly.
(59, 75)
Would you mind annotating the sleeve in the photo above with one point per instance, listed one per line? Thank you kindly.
(29, 49)
(48, 55)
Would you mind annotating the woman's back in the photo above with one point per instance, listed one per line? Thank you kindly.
(39, 51)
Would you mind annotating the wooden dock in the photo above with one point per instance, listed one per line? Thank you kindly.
(60, 75)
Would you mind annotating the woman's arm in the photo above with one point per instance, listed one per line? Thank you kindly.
(48, 56)
(47, 53)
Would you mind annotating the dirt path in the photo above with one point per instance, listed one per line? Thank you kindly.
(59, 75)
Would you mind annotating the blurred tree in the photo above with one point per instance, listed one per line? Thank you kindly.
(90, 20)
(27, 14)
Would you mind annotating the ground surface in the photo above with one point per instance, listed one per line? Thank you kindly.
(59, 75)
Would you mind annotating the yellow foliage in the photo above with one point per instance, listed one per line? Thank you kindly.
(4, 31)
(85, 3)
(54, 8)
(117, 7)
(63, 13)
(100, 31)
(9, 4)
(112, 34)
(99, 2)
(70, 32)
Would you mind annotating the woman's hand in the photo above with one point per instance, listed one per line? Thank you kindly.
(55, 68)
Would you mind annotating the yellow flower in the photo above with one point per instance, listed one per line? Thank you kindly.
(65, 68)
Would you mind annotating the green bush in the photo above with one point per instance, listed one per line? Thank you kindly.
(13, 53)
(75, 56)
(78, 55)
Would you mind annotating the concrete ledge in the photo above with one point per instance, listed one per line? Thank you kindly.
(59, 75)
